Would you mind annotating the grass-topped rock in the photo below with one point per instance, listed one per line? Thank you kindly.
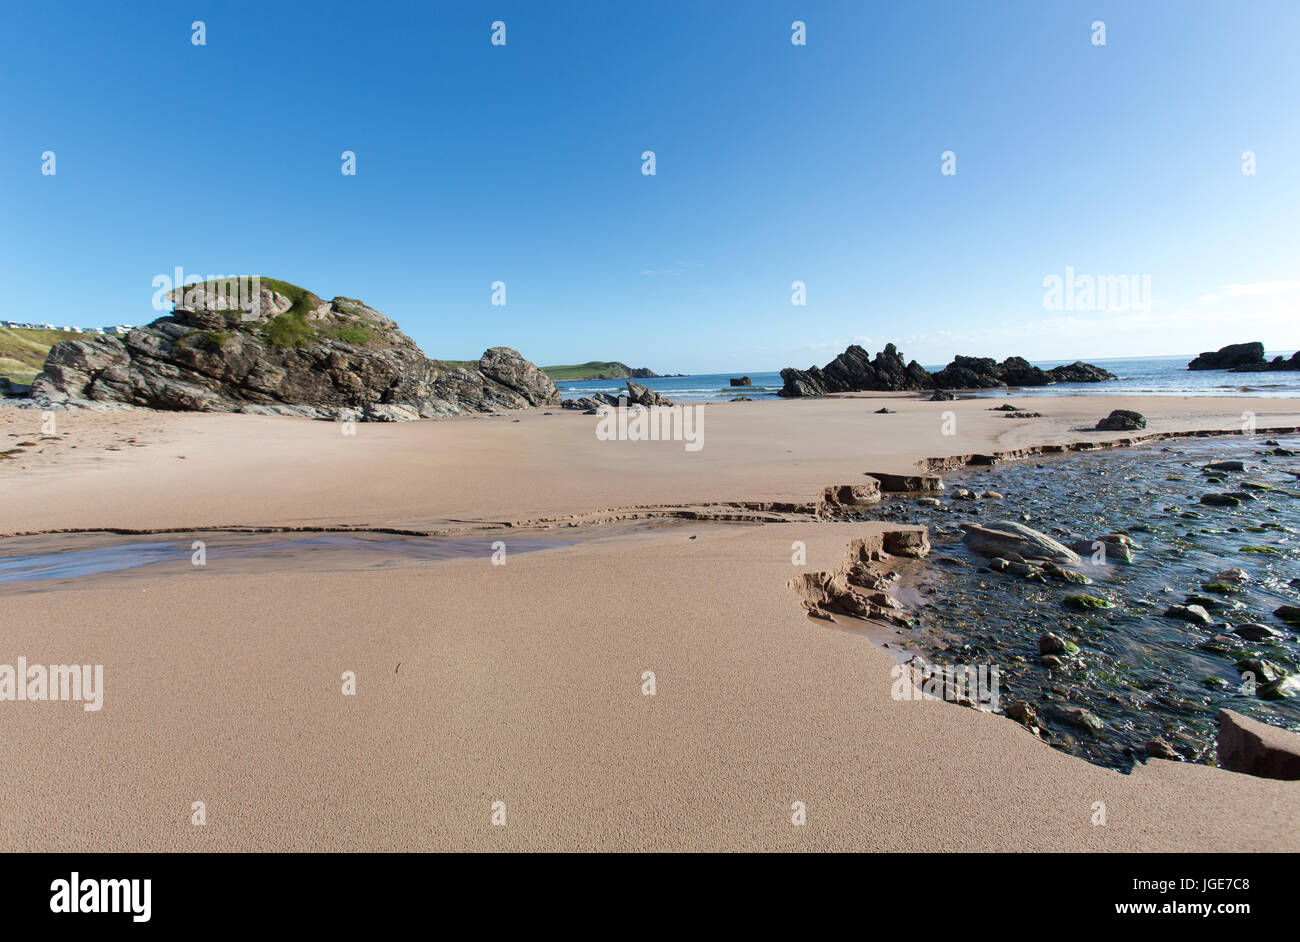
(290, 353)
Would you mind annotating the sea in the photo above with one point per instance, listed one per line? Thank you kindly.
(1144, 376)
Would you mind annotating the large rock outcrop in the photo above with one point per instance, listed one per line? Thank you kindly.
(1244, 358)
(294, 354)
(1225, 358)
(854, 371)
(987, 373)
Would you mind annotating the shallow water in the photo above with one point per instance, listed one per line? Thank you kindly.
(1141, 673)
(64, 558)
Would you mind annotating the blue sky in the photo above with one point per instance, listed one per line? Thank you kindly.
(775, 163)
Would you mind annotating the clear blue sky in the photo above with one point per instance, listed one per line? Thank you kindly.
(775, 163)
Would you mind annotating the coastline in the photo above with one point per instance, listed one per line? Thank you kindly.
(533, 697)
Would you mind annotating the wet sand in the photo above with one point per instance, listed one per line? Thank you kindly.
(522, 682)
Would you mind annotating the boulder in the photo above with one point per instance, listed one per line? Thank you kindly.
(1253, 631)
(643, 396)
(1255, 748)
(1008, 536)
(1192, 613)
(742, 381)
(1122, 420)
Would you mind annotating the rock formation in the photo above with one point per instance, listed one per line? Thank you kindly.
(854, 371)
(294, 354)
(1122, 420)
(1243, 358)
(1225, 358)
(1007, 537)
(986, 373)
(644, 396)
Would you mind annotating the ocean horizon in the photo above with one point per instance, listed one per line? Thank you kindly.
(1160, 376)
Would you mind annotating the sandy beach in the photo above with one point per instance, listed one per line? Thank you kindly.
(523, 683)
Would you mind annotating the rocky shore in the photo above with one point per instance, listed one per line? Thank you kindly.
(1137, 600)
(855, 371)
(1243, 358)
(296, 355)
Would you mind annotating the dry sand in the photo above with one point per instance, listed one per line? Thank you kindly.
(522, 683)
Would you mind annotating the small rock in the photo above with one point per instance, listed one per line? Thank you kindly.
(1122, 420)
(1192, 613)
(1076, 716)
(1159, 748)
(1288, 613)
(1263, 671)
(1220, 500)
(1055, 644)
(1022, 713)
(1086, 603)
(1256, 632)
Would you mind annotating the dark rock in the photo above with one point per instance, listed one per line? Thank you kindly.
(854, 371)
(986, 373)
(1235, 354)
(1261, 670)
(1159, 748)
(1122, 420)
(643, 396)
(1220, 500)
(1075, 716)
(1022, 713)
(743, 381)
(1253, 631)
(1192, 613)
(942, 395)
(1054, 644)
(1275, 364)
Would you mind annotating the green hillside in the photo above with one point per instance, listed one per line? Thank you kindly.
(23, 350)
(596, 369)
